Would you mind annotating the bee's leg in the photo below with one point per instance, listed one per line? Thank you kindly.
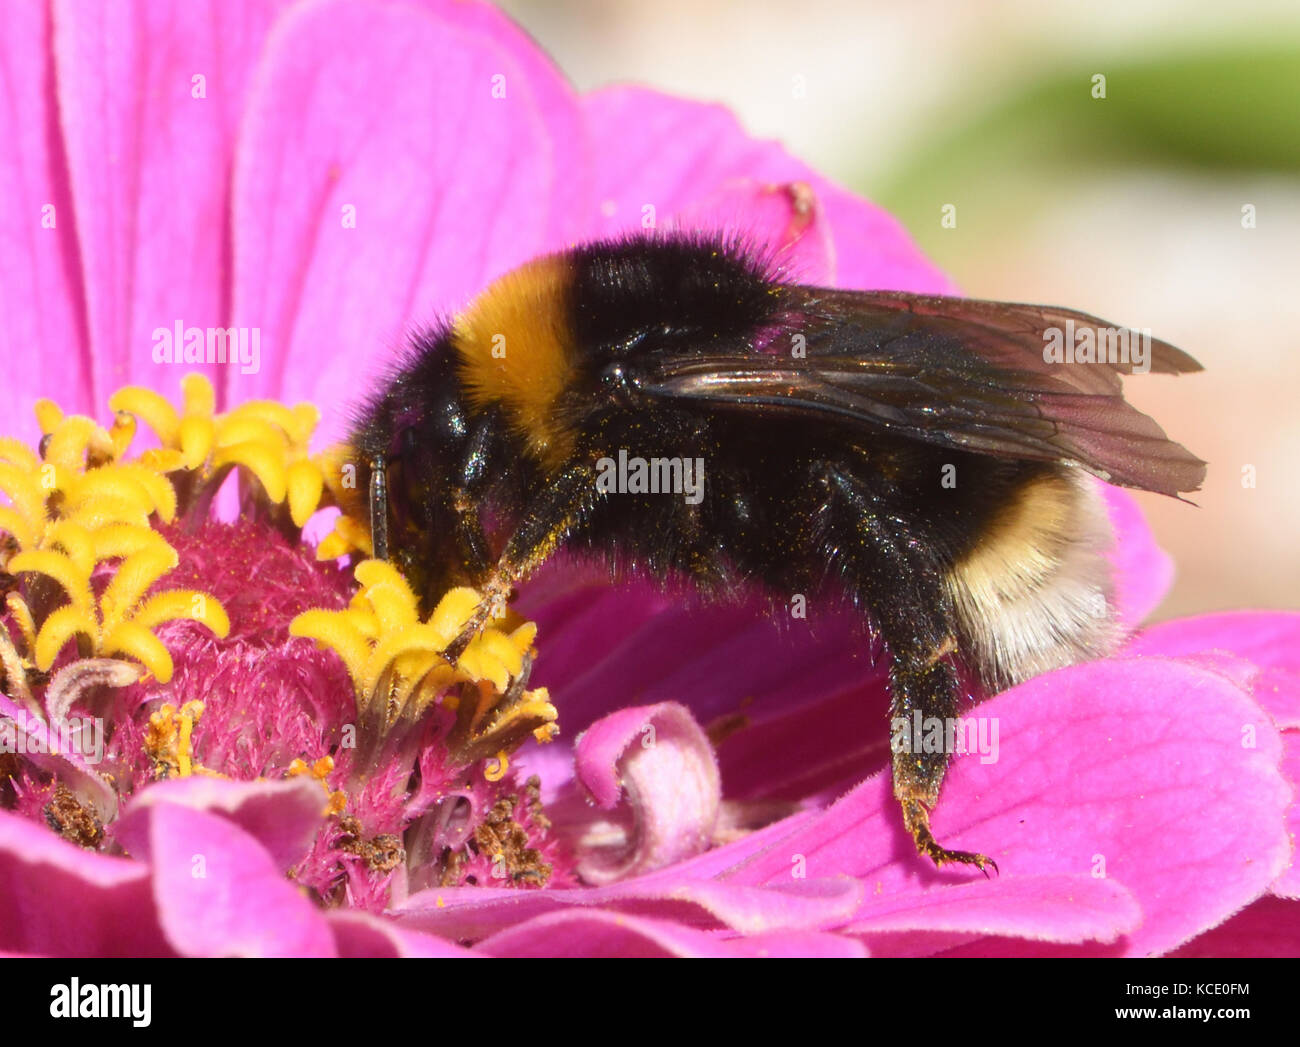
(900, 580)
(379, 507)
(543, 528)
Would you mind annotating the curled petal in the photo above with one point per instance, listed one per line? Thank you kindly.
(71, 682)
(659, 761)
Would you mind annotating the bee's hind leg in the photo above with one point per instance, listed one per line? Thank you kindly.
(898, 578)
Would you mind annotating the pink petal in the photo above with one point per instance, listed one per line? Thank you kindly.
(1053, 907)
(219, 893)
(783, 223)
(149, 165)
(1288, 883)
(602, 934)
(472, 913)
(1137, 764)
(553, 98)
(608, 647)
(1270, 640)
(282, 816)
(671, 153)
(660, 764)
(1269, 927)
(57, 899)
(360, 935)
(387, 110)
(1143, 571)
(40, 277)
(40, 293)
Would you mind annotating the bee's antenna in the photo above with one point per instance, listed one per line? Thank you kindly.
(379, 508)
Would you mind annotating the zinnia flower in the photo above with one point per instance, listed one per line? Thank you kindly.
(331, 175)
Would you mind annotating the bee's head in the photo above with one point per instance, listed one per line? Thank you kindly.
(420, 428)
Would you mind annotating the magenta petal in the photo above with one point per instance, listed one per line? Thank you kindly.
(360, 935)
(1260, 649)
(1143, 571)
(475, 912)
(1270, 927)
(282, 816)
(605, 934)
(661, 763)
(377, 185)
(605, 647)
(782, 222)
(219, 893)
(669, 153)
(1288, 883)
(551, 95)
(1132, 768)
(43, 336)
(1054, 907)
(1270, 640)
(149, 148)
(59, 900)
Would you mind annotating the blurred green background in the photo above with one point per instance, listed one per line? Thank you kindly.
(1129, 206)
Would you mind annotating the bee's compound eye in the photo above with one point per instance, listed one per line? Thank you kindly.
(617, 377)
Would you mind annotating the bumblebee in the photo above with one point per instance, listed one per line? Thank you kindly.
(923, 458)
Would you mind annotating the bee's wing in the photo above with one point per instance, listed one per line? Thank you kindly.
(956, 372)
